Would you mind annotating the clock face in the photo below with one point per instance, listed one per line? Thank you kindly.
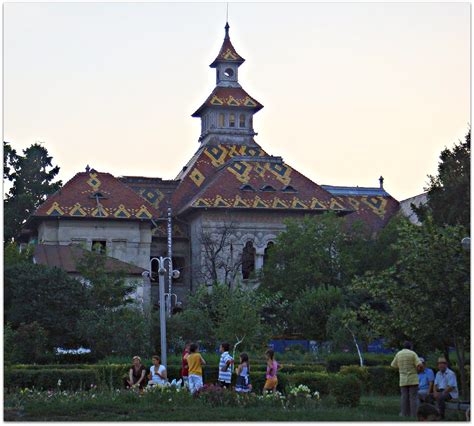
(228, 72)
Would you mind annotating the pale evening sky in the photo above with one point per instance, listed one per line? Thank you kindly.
(351, 91)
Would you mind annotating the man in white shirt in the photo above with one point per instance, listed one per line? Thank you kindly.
(445, 386)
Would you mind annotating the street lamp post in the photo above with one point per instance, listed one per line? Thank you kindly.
(163, 305)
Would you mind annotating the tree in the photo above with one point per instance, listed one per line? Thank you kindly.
(122, 331)
(47, 296)
(106, 289)
(314, 252)
(449, 191)
(32, 176)
(225, 314)
(426, 292)
(219, 260)
(311, 310)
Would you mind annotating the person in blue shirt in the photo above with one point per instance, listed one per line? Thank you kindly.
(426, 380)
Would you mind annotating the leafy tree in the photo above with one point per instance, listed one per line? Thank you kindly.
(311, 310)
(32, 175)
(47, 296)
(314, 252)
(427, 292)
(119, 331)
(449, 199)
(106, 289)
(12, 255)
(224, 314)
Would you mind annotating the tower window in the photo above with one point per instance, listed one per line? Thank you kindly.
(242, 120)
(268, 188)
(221, 120)
(228, 72)
(231, 120)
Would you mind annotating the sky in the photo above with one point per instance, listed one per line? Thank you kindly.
(351, 91)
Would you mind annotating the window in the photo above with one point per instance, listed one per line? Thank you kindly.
(99, 246)
(247, 187)
(289, 188)
(242, 120)
(267, 251)
(248, 260)
(221, 120)
(232, 120)
(268, 188)
(228, 72)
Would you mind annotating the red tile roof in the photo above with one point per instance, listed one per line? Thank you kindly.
(227, 52)
(96, 195)
(229, 97)
(235, 176)
(67, 257)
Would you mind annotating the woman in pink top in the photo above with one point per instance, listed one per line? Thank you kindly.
(271, 376)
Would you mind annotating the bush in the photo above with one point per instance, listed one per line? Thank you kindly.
(315, 381)
(346, 389)
(362, 374)
(335, 361)
(384, 380)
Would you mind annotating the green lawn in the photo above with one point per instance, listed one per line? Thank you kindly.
(371, 409)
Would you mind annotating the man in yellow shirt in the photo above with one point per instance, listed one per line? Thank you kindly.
(408, 363)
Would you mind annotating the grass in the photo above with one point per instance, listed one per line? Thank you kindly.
(373, 408)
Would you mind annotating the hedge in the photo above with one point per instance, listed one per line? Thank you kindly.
(335, 361)
(315, 381)
(346, 389)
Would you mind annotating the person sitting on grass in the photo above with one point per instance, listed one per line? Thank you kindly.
(225, 366)
(158, 374)
(195, 362)
(427, 413)
(243, 374)
(446, 386)
(271, 376)
(136, 374)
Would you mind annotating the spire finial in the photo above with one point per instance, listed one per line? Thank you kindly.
(227, 21)
(381, 179)
(226, 30)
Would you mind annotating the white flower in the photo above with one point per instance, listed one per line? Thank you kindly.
(59, 382)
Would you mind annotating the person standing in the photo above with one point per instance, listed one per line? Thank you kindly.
(225, 366)
(426, 381)
(445, 386)
(243, 375)
(195, 362)
(271, 381)
(184, 365)
(407, 363)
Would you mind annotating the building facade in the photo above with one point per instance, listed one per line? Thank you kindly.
(227, 204)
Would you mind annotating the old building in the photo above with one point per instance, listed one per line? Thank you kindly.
(228, 202)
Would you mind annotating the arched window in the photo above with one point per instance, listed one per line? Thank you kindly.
(248, 260)
(267, 251)
(242, 120)
(231, 120)
(221, 120)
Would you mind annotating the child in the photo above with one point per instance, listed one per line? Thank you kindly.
(158, 372)
(243, 374)
(184, 365)
(271, 376)
(195, 362)
(225, 366)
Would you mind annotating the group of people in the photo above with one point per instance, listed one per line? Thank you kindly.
(419, 386)
(192, 371)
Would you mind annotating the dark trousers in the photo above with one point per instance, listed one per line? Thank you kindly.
(408, 402)
(441, 403)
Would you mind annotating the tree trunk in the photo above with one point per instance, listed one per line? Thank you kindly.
(446, 353)
(459, 346)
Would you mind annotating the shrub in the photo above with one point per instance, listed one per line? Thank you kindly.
(362, 374)
(384, 380)
(335, 361)
(346, 389)
(315, 381)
